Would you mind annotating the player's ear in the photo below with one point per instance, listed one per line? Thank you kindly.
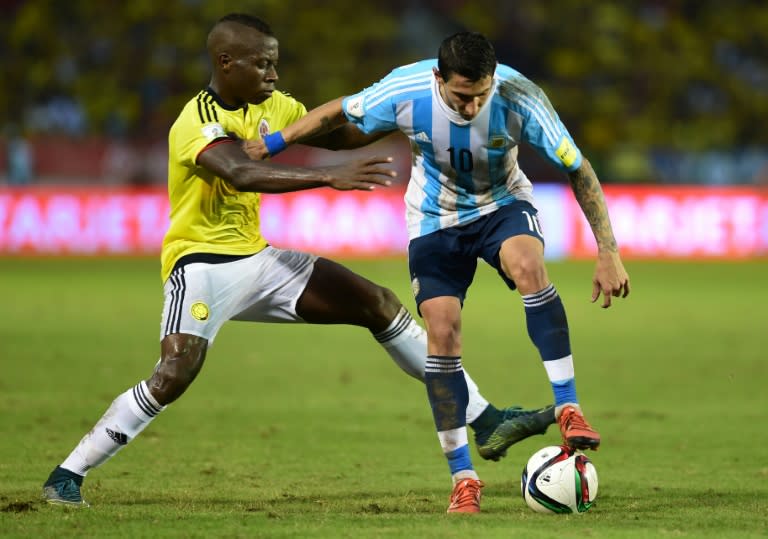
(437, 74)
(225, 60)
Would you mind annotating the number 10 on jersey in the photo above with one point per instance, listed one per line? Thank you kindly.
(461, 160)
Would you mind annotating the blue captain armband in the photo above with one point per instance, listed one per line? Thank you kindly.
(274, 142)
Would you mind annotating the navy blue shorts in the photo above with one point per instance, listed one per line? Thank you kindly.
(444, 262)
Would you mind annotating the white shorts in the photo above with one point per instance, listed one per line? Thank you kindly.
(265, 287)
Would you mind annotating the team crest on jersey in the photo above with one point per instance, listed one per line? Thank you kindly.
(199, 311)
(415, 286)
(213, 131)
(497, 142)
(263, 128)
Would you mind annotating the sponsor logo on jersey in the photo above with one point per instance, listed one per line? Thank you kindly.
(355, 106)
(118, 437)
(263, 128)
(213, 131)
(199, 311)
(567, 152)
(421, 136)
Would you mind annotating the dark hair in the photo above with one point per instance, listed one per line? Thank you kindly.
(247, 20)
(468, 54)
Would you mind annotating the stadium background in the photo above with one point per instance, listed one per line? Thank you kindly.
(658, 94)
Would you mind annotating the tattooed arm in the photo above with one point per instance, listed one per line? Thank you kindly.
(610, 277)
(589, 194)
(346, 137)
(317, 122)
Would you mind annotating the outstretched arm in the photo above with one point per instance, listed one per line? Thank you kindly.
(317, 122)
(227, 160)
(325, 126)
(345, 137)
(610, 277)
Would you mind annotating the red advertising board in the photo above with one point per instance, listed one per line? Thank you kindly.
(82, 221)
(680, 222)
(671, 222)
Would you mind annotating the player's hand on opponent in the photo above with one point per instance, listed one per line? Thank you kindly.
(610, 279)
(360, 174)
(256, 149)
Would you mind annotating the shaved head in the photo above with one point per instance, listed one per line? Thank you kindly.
(243, 52)
(227, 33)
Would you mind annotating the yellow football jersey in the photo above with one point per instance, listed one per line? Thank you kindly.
(208, 215)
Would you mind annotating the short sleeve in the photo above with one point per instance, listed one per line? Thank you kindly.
(189, 136)
(543, 130)
(372, 109)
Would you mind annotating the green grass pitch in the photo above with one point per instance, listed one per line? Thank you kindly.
(308, 431)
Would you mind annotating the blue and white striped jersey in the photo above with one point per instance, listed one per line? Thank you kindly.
(462, 169)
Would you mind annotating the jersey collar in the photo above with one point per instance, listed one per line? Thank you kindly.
(220, 102)
(451, 114)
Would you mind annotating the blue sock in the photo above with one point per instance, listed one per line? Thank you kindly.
(448, 397)
(565, 391)
(548, 329)
(447, 391)
(458, 459)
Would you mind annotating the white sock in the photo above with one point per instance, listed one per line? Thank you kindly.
(559, 409)
(464, 474)
(126, 417)
(406, 342)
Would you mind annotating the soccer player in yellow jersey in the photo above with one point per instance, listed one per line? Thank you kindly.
(216, 265)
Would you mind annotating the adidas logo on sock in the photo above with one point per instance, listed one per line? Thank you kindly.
(118, 437)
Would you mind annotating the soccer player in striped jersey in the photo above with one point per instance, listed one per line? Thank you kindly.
(467, 198)
(216, 265)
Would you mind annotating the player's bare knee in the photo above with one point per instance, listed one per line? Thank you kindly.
(172, 378)
(528, 273)
(382, 306)
(168, 381)
(181, 361)
(445, 335)
(390, 303)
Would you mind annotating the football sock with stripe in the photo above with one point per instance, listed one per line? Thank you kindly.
(406, 343)
(548, 329)
(127, 416)
(448, 397)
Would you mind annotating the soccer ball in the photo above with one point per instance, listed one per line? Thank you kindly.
(559, 479)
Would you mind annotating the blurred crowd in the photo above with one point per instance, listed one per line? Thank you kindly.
(671, 91)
